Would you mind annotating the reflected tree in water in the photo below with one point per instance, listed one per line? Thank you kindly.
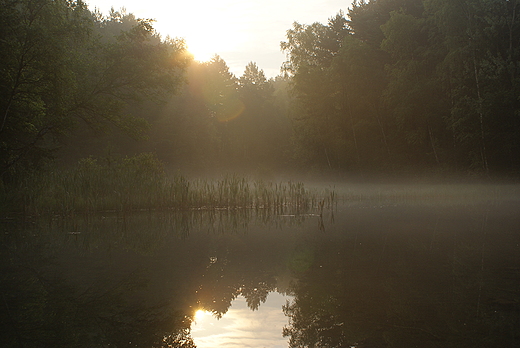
(388, 277)
(388, 283)
(238, 270)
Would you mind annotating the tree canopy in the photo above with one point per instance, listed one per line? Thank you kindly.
(390, 86)
(62, 65)
(429, 84)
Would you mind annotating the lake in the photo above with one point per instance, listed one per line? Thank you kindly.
(384, 267)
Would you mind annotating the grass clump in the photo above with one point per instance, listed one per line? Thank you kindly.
(94, 185)
(140, 183)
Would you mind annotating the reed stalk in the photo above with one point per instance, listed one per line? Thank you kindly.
(140, 183)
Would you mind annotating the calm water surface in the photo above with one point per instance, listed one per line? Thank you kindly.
(242, 327)
(366, 274)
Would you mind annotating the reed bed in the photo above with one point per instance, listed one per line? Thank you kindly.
(140, 183)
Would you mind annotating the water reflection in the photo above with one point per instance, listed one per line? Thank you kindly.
(134, 280)
(242, 327)
(380, 276)
(411, 277)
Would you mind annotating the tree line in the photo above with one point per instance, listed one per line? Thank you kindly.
(64, 67)
(409, 84)
(391, 86)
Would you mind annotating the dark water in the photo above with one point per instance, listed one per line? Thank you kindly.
(363, 275)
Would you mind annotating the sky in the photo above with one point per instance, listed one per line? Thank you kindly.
(239, 31)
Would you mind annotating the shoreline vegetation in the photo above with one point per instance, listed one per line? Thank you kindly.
(386, 104)
(140, 183)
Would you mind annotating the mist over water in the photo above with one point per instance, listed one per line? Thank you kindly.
(397, 265)
(145, 193)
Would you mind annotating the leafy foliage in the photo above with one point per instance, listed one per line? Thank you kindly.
(409, 84)
(391, 86)
(62, 64)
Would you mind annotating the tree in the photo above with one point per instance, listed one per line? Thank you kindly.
(37, 78)
(62, 64)
(311, 50)
(359, 77)
(480, 78)
(259, 129)
(409, 84)
(413, 94)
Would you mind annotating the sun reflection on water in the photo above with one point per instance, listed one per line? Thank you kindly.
(242, 327)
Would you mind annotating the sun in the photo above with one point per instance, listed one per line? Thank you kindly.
(205, 44)
(201, 49)
(200, 314)
(209, 28)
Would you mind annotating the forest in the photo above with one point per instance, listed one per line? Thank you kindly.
(373, 183)
(392, 87)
